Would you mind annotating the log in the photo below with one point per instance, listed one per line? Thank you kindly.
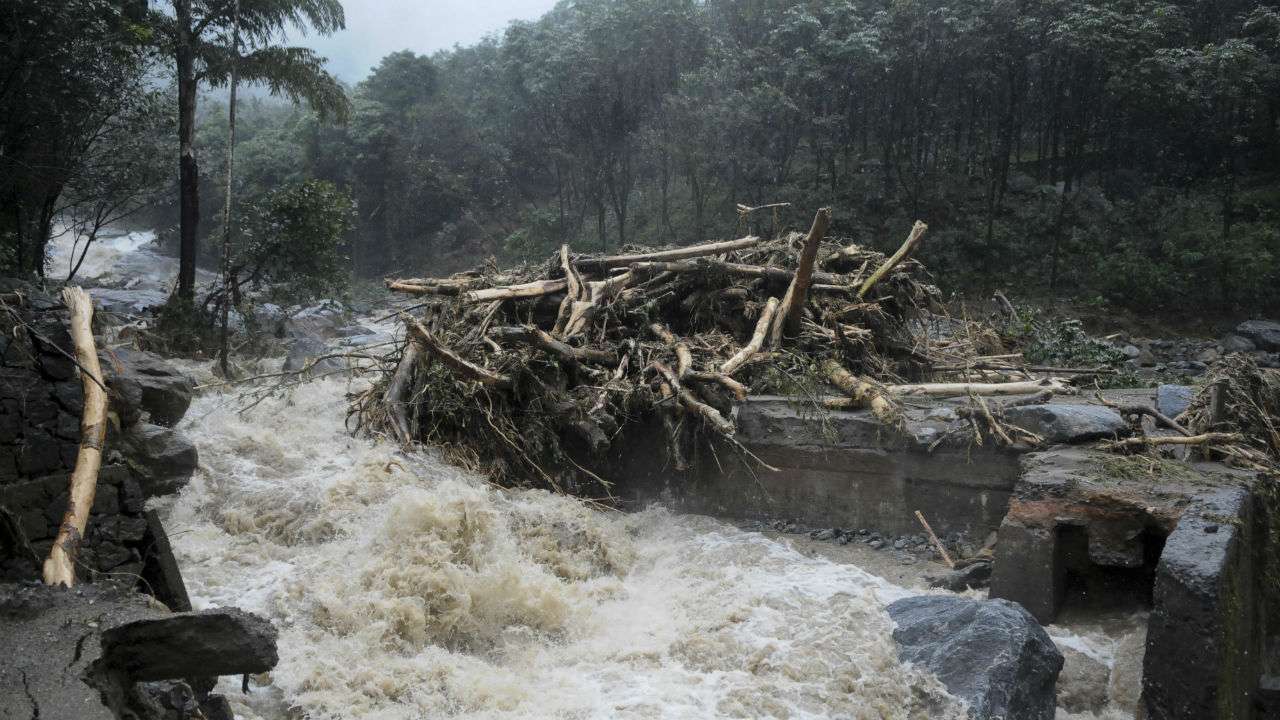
(718, 248)
(684, 364)
(59, 568)
(798, 293)
(942, 550)
(429, 287)
(692, 403)
(826, 279)
(536, 288)
(543, 340)
(864, 393)
(1023, 387)
(398, 388)
(459, 364)
(1210, 438)
(744, 355)
(908, 247)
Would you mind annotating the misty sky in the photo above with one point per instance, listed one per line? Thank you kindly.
(378, 27)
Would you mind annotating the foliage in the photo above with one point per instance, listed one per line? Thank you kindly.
(72, 94)
(290, 243)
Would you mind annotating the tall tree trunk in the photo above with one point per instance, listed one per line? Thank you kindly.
(228, 282)
(188, 170)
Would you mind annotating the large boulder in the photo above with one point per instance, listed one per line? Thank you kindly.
(221, 641)
(1265, 334)
(164, 458)
(1062, 423)
(991, 653)
(145, 382)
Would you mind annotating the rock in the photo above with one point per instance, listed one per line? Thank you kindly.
(1264, 333)
(1145, 358)
(307, 349)
(1061, 423)
(991, 653)
(1172, 400)
(351, 331)
(1237, 343)
(222, 641)
(876, 544)
(826, 534)
(975, 575)
(149, 383)
(164, 457)
(1266, 359)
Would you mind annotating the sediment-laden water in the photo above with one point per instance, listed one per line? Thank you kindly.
(405, 588)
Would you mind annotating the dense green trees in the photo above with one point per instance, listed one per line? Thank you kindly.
(74, 110)
(196, 34)
(1122, 148)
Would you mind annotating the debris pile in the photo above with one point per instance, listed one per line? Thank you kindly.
(519, 372)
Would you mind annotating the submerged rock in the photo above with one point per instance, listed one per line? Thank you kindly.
(1062, 423)
(991, 653)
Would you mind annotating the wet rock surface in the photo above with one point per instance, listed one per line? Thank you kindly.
(1173, 400)
(165, 458)
(85, 649)
(1066, 424)
(146, 382)
(991, 653)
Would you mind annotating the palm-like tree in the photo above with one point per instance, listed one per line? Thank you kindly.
(196, 35)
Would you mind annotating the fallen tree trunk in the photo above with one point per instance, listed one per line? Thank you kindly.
(744, 355)
(59, 568)
(864, 393)
(908, 247)
(543, 340)
(693, 404)
(398, 389)
(825, 279)
(614, 261)
(510, 292)
(1024, 387)
(468, 369)
(798, 292)
(1212, 438)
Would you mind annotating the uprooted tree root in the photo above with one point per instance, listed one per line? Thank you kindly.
(529, 372)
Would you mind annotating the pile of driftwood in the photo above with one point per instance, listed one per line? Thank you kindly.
(524, 372)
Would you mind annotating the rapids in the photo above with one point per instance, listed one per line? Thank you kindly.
(406, 588)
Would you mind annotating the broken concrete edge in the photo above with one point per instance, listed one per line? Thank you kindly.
(93, 651)
(1208, 621)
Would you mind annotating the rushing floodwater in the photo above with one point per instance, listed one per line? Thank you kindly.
(405, 588)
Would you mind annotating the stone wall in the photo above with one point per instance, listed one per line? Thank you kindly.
(41, 400)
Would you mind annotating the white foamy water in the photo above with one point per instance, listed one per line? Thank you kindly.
(405, 588)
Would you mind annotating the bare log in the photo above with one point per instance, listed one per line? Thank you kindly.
(459, 364)
(581, 312)
(864, 393)
(398, 389)
(737, 269)
(1211, 438)
(942, 550)
(1024, 387)
(536, 288)
(59, 568)
(908, 247)
(684, 364)
(692, 403)
(614, 261)
(744, 355)
(798, 292)
(543, 340)
(426, 286)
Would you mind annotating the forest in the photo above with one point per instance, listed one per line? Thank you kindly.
(1120, 152)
